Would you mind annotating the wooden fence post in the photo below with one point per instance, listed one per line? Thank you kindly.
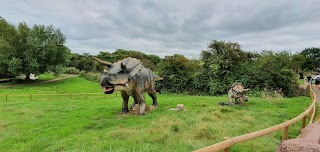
(304, 122)
(30, 96)
(285, 132)
(227, 149)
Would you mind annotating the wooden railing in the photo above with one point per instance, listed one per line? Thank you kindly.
(228, 142)
(6, 97)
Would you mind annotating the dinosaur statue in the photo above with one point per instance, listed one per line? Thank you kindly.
(132, 79)
(237, 91)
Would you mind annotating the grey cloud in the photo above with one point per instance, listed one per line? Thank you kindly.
(168, 27)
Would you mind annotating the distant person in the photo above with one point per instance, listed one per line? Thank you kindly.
(307, 83)
(309, 79)
(317, 81)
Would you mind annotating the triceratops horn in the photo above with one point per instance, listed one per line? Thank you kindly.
(245, 90)
(103, 62)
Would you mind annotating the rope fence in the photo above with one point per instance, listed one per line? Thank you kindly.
(228, 142)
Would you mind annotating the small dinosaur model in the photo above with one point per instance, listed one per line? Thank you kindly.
(237, 91)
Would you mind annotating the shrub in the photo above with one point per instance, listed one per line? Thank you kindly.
(72, 70)
(91, 76)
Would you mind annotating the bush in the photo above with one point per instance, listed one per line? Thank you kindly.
(72, 70)
(91, 76)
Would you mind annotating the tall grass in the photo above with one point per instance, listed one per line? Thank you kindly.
(95, 124)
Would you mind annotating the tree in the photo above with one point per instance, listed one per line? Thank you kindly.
(149, 61)
(35, 50)
(221, 63)
(178, 73)
(8, 35)
(312, 56)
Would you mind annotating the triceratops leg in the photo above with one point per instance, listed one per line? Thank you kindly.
(153, 95)
(230, 96)
(125, 98)
(142, 102)
(134, 103)
(230, 100)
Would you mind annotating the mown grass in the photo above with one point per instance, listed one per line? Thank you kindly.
(94, 124)
(41, 78)
(72, 85)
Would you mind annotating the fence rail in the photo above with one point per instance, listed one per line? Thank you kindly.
(228, 142)
(68, 95)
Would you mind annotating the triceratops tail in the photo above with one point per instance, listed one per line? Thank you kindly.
(157, 78)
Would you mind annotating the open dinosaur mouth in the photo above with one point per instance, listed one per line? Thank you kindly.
(108, 90)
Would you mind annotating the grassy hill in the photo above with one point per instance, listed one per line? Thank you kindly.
(95, 124)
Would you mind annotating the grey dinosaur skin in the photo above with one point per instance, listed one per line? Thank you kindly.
(237, 91)
(132, 80)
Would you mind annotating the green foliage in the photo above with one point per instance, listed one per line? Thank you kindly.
(224, 63)
(83, 62)
(149, 61)
(221, 61)
(178, 73)
(72, 70)
(312, 56)
(25, 50)
(91, 76)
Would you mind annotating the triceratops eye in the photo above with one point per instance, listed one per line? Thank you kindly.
(112, 78)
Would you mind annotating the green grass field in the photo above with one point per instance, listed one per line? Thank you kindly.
(95, 124)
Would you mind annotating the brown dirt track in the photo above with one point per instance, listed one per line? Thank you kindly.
(309, 141)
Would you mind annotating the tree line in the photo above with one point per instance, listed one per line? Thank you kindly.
(219, 66)
(39, 49)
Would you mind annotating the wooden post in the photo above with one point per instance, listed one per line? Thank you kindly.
(304, 122)
(6, 97)
(227, 149)
(30, 96)
(285, 132)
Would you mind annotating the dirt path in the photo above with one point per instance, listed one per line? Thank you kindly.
(66, 76)
(310, 135)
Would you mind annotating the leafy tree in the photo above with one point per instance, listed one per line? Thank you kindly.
(221, 63)
(83, 62)
(178, 73)
(312, 56)
(35, 50)
(8, 35)
(149, 61)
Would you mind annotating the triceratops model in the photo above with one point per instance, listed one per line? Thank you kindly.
(237, 91)
(132, 79)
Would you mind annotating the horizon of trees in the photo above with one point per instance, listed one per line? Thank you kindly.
(219, 66)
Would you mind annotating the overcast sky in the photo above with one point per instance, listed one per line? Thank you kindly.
(167, 27)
